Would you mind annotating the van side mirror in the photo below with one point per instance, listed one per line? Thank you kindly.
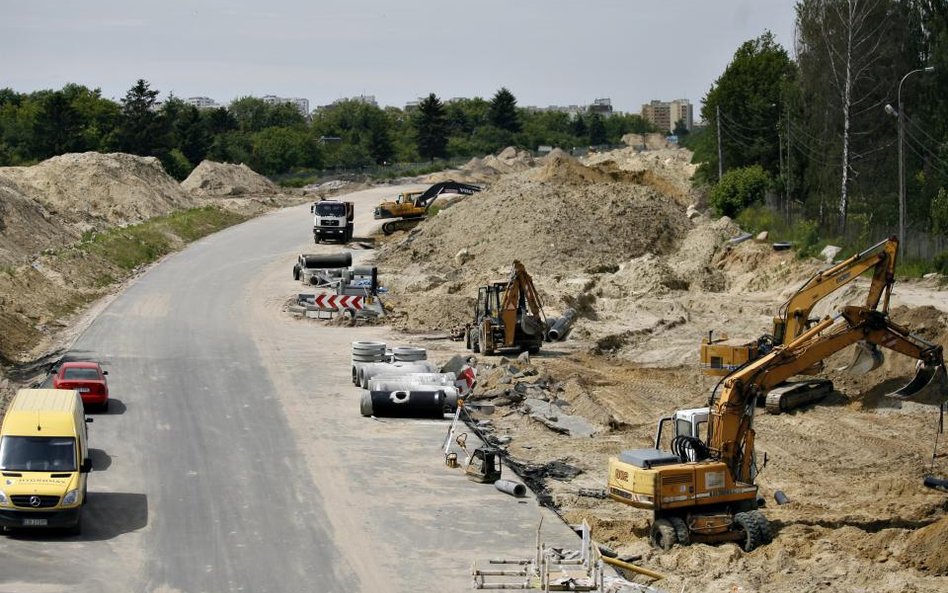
(105, 372)
(86, 466)
(90, 420)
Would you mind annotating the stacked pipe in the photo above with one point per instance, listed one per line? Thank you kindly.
(366, 371)
(366, 352)
(403, 404)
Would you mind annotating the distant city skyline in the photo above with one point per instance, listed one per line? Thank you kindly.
(632, 52)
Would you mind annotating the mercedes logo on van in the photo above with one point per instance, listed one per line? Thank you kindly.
(34, 501)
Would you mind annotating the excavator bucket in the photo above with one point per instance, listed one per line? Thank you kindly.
(929, 386)
(868, 358)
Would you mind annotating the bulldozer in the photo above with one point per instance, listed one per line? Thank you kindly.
(410, 208)
(721, 355)
(508, 315)
(704, 489)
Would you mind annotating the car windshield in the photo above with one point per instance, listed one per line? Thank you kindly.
(38, 454)
(330, 209)
(78, 374)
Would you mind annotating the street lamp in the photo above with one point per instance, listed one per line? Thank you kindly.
(897, 112)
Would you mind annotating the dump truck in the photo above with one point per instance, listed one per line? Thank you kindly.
(332, 219)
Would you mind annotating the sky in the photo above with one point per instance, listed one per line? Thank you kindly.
(546, 52)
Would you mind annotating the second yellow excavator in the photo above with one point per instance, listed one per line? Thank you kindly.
(721, 355)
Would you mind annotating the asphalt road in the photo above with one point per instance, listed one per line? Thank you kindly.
(234, 458)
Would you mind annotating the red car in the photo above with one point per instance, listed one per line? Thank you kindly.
(88, 379)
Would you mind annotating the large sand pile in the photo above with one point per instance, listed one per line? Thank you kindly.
(224, 179)
(561, 217)
(668, 169)
(52, 203)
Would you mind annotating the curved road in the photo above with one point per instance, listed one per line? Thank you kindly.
(234, 458)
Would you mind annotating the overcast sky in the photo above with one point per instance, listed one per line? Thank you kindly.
(545, 51)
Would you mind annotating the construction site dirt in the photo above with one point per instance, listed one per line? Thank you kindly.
(622, 238)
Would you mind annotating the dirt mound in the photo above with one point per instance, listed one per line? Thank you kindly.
(668, 170)
(927, 548)
(571, 218)
(652, 141)
(224, 179)
(26, 227)
(76, 193)
(562, 168)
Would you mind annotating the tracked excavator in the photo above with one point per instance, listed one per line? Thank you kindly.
(704, 489)
(508, 315)
(410, 208)
(720, 355)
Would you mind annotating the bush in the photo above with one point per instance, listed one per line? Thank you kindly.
(738, 189)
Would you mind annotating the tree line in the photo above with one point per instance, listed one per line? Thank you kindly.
(276, 138)
(819, 131)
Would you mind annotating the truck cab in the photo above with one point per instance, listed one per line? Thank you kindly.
(332, 219)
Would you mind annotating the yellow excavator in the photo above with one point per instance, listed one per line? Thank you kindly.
(508, 315)
(721, 355)
(704, 490)
(410, 208)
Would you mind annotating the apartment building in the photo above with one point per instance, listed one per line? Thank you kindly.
(665, 114)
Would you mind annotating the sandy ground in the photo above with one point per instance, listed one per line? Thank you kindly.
(859, 519)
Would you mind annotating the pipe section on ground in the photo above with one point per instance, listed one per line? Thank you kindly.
(338, 260)
(407, 404)
(369, 370)
(512, 488)
(563, 326)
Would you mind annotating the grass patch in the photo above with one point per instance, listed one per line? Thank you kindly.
(140, 244)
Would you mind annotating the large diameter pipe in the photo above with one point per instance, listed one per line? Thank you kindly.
(407, 404)
(512, 488)
(338, 260)
(413, 379)
(370, 370)
(563, 325)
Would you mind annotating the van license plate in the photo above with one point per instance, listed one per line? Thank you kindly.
(34, 522)
(83, 390)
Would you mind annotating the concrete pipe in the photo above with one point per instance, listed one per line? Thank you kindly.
(563, 326)
(440, 379)
(365, 404)
(409, 353)
(370, 370)
(407, 404)
(338, 260)
(512, 488)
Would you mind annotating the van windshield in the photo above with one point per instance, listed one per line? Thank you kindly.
(38, 454)
(330, 209)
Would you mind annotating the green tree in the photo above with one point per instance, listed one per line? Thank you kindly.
(738, 189)
(749, 100)
(431, 128)
(503, 111)
(141, 131)
(597, 130)
(57, 128)
(851, 53)
(250, 113)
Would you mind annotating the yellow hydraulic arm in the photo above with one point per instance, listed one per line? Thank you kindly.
(731, 434)
(794, 314)
(520, 293)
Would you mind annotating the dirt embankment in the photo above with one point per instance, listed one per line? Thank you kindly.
(46, 276)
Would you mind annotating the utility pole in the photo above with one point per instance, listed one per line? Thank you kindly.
(789, 169)
(897, 112)
(717, 111)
